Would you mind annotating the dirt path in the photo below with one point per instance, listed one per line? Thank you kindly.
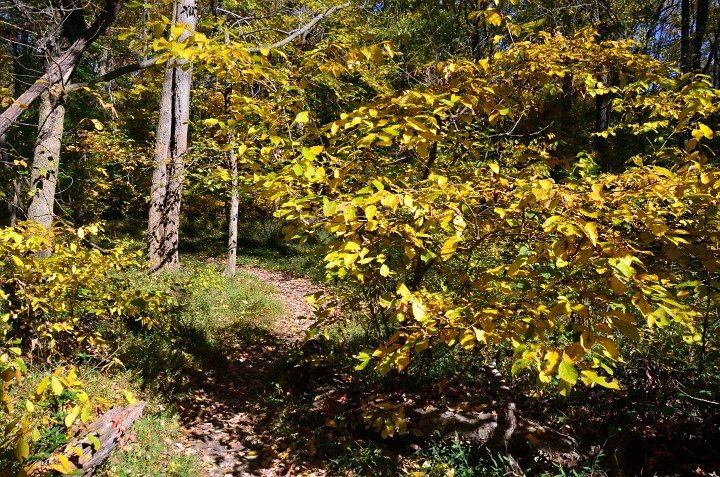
(222, 424)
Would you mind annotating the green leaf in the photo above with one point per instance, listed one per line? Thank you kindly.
(567, 372)
(94, 441)
(308, 154)
(519, 365)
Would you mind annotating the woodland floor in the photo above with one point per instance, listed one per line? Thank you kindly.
(226, 425)
(222, 423)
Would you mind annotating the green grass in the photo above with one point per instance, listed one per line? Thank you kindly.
(213, 316)
(152, 450)
(213, 312)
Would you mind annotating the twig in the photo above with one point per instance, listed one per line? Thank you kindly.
(300, 31)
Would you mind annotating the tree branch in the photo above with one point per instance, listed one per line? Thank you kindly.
(63, 65)
(300, 31)
(114, 74)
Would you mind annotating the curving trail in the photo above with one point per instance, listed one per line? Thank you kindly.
(222, 422)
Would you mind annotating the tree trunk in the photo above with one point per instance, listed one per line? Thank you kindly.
(170, 149)
(62, 66)
(601, 125)
(233, 220)
(685, 36)
(15, 204)
(46, 157)
(699, 36)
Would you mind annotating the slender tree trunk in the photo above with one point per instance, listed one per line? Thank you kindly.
(170, 149)
(601, 125)
(602, 104)
(231, 264)
(233, 220)
(46, 157)
(685, 36)
(15, 204)
(701, 16)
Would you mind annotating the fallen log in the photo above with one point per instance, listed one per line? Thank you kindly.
(89, 449)
(488, 428)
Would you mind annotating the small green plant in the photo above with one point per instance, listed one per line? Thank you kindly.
(442, 458)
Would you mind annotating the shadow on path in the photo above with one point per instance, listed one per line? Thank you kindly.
(221, 417)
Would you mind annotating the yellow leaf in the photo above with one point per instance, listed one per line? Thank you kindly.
(707, 132)
(418, 310)
(42, 386)
(493, 17)
(56, 386)
(17, 261)
(22, 450)
(265, 51)
(64, 467)
(591, 232)
(370, 211)
(29, 405)
(403, 291)
(494, 167)
(302, 117)
(449, 247)
(384, 270)
(81, 232)
(467, 339)
(567, 372)
(72, 415)
(349, 213)
(129, 397)
(402, 360)
(176, 31)
(551, 357)
(85, 415)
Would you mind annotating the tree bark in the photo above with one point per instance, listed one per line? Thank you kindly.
(46, 157)
(170, 149)
(602, 122)
(698, 38)
(685, 36)
(15, 204)
(233, 219)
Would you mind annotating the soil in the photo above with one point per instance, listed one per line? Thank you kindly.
(222, 422)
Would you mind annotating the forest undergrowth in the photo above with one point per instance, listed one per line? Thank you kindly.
(235, 387)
